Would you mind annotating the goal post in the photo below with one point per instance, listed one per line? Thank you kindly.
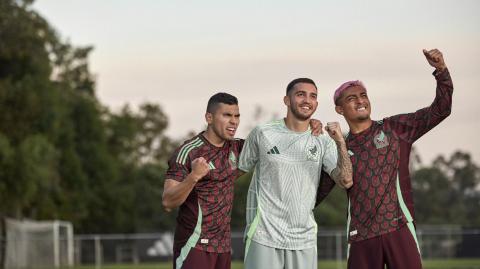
(38, 244)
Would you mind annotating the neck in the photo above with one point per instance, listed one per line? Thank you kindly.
(359, 126)
(295, 124)
(213, 138)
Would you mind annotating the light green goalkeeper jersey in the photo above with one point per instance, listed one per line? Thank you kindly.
(282, 193)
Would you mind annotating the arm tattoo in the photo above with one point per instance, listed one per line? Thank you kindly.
(342, 174)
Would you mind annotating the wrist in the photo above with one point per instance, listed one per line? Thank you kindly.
(341, 143)
(440, 69)
(193, 178)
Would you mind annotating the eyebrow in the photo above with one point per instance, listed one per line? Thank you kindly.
(363, 92)
(350, 95)
(305, 92)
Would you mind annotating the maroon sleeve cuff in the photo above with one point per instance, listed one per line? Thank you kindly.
(442, 76)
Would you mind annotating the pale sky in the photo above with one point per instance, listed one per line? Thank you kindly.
(179, 53)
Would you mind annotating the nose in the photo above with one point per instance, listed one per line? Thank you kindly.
(310, 99)
(363, 100)
(235, 120)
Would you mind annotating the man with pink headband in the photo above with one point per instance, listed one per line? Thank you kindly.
(381, 228)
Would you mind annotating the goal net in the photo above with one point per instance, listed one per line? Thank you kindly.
(38, 244)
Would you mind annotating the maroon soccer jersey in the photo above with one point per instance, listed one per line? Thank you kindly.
(212, 197)
(379, 156)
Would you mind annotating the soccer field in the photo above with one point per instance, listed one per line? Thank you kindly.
(427, 264)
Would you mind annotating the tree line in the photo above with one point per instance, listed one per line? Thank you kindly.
(65, 155)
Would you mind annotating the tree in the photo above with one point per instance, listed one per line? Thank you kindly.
(448, 191)
(140, 138)
(27, 115)
(62, 154)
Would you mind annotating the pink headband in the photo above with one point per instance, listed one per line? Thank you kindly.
(345, 86)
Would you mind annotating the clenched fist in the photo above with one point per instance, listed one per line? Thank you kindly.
(200, 168)
(435, 59)
(333, 129)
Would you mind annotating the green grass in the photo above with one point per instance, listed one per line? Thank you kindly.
(427, 264)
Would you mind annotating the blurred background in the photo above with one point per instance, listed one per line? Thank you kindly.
(95, 96)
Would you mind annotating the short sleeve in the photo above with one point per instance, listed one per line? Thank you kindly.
(250, 154)
(178, 166)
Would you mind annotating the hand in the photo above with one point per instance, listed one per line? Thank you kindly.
(316, 126)
(200, 168)
(333, 129)
(435, 59)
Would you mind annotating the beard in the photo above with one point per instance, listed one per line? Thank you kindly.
(298, 115)
(363, 118)
(220, 134)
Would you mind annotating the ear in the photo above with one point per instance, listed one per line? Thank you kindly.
(209, 118)
(339, 110)
(286, 100)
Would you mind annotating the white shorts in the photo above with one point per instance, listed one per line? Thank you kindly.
(260, 256)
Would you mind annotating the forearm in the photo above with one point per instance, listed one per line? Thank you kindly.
(442, 104)
(342, 174)
(441, 107)
(175, 193)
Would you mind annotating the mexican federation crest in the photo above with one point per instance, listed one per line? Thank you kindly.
(380, 140)
(232, 159)
(312, 153)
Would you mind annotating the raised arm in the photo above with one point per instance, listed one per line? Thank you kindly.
(411, 126)
(342, 174)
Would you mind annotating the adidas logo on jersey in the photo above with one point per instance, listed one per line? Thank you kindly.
(274, 150)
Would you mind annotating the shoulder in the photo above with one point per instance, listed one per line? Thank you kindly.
(237, 143)
(271, 125)
(187, 147)
(387, 123)
(266, 127)
(192, 142)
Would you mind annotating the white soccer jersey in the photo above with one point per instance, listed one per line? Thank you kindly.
(281, 196)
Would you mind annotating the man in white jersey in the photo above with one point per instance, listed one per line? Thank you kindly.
(287, 159)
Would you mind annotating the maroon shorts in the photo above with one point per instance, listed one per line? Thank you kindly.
(397, 250)
(205, 260)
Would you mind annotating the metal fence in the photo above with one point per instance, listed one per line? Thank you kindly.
(445, 242)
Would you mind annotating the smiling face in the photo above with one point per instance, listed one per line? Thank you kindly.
(354, 104)
(302, 100)
(224, 121)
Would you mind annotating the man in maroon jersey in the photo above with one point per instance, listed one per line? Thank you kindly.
(381, 213)
(200, 180)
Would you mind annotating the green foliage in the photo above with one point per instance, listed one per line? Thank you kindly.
(448, 191)
(147, 208)
(62, 154)
(240, 201)
(139, 137)
(332, 212)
